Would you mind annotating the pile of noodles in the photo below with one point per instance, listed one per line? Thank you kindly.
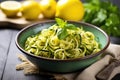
(78, 43)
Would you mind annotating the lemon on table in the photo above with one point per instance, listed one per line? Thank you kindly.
(30, 10)
(48, 8)
(70, 9)
(10, 8)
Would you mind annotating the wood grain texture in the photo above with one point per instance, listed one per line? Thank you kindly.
(19, 22)
(5, 39)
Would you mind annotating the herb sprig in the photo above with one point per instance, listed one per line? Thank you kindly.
(63, 25)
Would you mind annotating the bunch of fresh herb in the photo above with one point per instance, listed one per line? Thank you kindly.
(103, 14)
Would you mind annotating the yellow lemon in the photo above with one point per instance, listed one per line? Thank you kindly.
(30, 10)
(70, 9)
(10, 8)
(48, 8)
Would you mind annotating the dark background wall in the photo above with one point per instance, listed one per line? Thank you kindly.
(116, 2)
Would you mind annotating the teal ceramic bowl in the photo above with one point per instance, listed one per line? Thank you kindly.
(56, 65)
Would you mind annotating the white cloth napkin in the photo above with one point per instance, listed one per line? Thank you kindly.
(113, 51)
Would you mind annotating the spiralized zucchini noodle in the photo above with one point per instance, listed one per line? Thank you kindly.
(78, 43)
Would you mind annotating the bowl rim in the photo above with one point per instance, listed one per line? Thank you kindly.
(51, 59)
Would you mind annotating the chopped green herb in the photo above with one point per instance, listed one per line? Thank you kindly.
(103, 14)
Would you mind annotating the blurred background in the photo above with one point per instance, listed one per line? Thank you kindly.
(117, 2)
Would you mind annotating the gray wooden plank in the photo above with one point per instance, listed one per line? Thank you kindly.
(5, 38)
(10, 72)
